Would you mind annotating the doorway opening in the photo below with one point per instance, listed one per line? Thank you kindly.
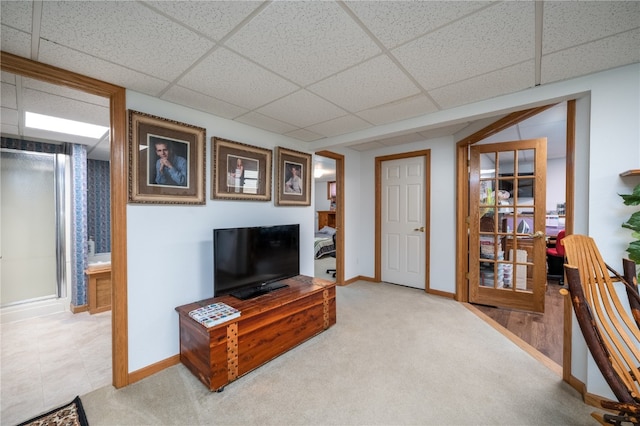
(330, 217)
(118, 178)
(543, 332)
(402, 219)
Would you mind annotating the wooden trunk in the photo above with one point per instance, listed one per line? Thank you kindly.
(268, 326)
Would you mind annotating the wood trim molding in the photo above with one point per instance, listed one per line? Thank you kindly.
(117, 97)
(152, 369)
(340, 200)
(426, 153)
(360, 278)
(445, 294)
(77, 309)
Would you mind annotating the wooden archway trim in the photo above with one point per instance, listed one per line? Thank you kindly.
(118, 138)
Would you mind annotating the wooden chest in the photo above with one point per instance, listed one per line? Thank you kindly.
(268, 326)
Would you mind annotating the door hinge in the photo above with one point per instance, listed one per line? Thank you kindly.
(468, 220)
(467, 276)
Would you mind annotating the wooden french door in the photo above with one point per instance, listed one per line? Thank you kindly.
(507, 244)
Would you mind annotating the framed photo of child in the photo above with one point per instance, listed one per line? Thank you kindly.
(293, 177)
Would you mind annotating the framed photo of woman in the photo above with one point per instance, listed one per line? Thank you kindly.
(240, 171)
(293, 177)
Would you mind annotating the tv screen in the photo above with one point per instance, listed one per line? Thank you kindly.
(247, 261)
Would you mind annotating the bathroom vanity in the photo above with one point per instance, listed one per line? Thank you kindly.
(99, 287)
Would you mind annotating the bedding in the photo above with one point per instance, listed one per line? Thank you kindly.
(323, 242)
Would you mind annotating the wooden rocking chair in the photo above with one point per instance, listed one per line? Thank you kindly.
(611, 334)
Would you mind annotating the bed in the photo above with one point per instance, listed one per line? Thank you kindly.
(323, 242)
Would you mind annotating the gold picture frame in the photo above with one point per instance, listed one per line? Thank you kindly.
(293, 177)
(240, 171)
(166, 161)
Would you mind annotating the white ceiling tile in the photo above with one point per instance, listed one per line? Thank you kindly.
(7, 77)
(339, 126)
(263, 122)
(17, 14)
(9, 130)
(16, 42)
(70, 109)
(304, 41)
(9, 117)
(399, 110)
(443, 131)
(316, 110)
(394, 22)
(202, 102)
(148, 42)
(9, 94)
(213, 18)
(565, 22)
(585, 59)
(64, 92)
(402, 139)
(496, 37)
(66, 58)
(233, 79)
(486, 86)
(366, 146)
(370, 84)
(304, 135)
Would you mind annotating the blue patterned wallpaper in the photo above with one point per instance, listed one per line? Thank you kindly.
(99, 204)
(79, 236)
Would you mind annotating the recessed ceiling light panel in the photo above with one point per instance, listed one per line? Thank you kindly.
(62, 125)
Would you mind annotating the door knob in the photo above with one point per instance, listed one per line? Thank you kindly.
(421, 229)
(538, 234)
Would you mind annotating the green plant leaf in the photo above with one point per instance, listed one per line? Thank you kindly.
(633, 222)
(632, 199)
(634, 251)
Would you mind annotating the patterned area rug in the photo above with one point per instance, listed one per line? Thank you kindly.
(71, 414)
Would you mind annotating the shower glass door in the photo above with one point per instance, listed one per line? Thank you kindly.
(28, 230)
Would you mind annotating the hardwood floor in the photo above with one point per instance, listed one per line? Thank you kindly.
(542, 331)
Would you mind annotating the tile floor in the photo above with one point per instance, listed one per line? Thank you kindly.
(47, 361)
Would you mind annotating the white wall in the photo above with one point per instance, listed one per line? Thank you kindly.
(322, 203)
(443, 204)
(170, 248)
(164, 274)
(556, 182)
(607, 143)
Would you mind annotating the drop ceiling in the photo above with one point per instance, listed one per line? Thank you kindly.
(311, 71)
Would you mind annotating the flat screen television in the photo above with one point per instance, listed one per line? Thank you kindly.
(248, 262)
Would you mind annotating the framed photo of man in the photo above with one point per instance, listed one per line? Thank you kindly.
(240, 171)
(166, 161)
(293, 177)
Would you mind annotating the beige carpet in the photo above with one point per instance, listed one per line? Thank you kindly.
(397, 356)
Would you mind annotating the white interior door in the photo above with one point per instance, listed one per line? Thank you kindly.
(403, 222)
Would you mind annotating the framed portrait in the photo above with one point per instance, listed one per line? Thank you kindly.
(166, 161)
(240, 171)
(293, 177)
